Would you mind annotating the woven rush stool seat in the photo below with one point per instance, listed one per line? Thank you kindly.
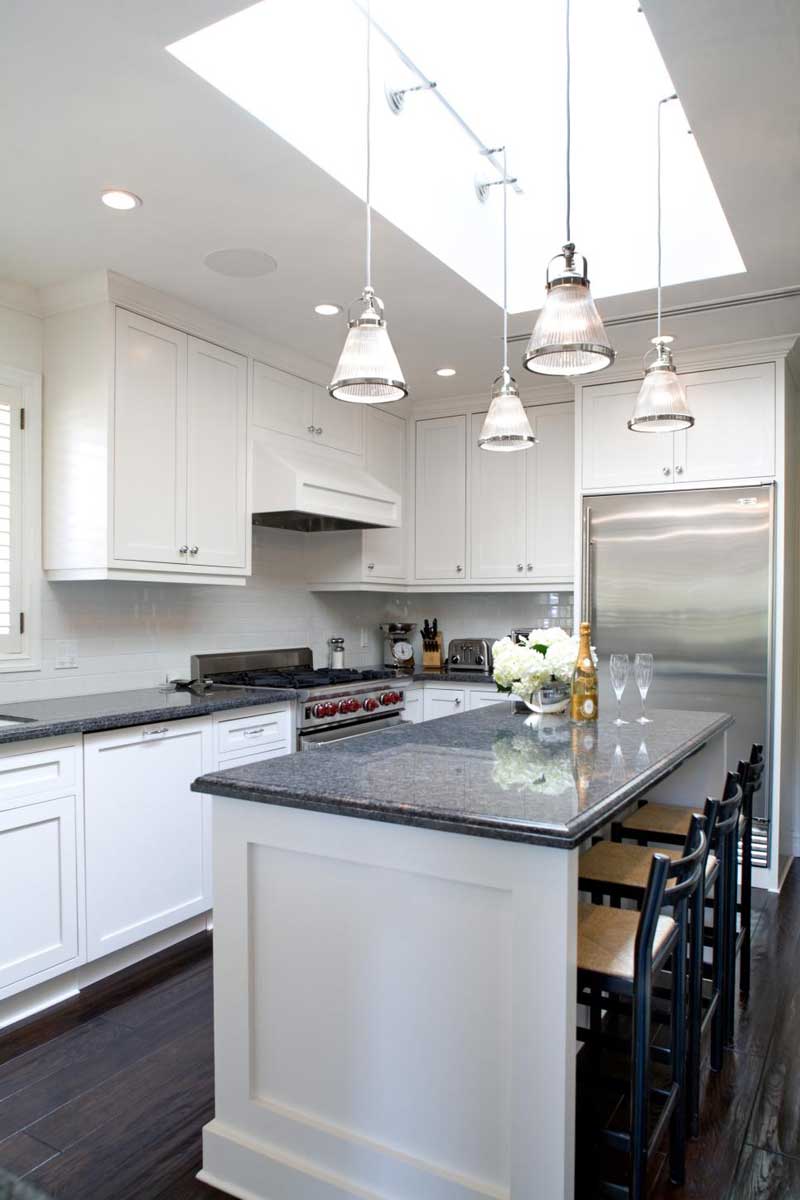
(607, 940)
(672, 820)
(626, 865)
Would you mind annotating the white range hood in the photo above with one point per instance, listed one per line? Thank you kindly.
(296, 487)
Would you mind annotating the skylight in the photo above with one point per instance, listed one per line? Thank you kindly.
(298, 66)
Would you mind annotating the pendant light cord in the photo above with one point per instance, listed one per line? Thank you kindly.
(505, 262)
(569, 129)
(661, 104)
(369, 144)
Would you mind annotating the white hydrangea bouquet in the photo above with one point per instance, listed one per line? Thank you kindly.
(538, 668)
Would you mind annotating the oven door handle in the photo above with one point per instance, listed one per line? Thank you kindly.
(313, 739)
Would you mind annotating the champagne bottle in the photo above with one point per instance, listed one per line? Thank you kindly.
(584, 680)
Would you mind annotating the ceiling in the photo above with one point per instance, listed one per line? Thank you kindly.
(91, 99)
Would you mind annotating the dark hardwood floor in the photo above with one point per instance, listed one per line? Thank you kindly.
(104, 1098)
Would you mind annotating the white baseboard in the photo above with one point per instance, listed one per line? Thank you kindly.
(65, 987)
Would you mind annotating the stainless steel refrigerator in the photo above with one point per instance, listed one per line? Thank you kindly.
(688, 575)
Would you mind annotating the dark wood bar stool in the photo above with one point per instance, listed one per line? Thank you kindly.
(620, 871)
(620, 951)
(752, 774)
(663, 823)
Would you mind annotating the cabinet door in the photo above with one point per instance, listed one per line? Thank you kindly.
(149, 441)
(218, 519)
(385, 549)
(733, 436)
(442, 702)
(147, 835)
(612, 455)
(337, 423)
(413, 711)
(282, 402)
(497, 511)
(39, 873)
(481, 699)
(440, 516)
(550, 494)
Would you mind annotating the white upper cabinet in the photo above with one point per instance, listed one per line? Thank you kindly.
(498, 503)
(522, 503)
(147, 478)
(149, 441)
(218, 525)
(337, 423)
(285, 403)
(385, 458)
(441, 496)
(551, 494)
(733, 436)
(282, 402)
(613, 456)
(732, 439)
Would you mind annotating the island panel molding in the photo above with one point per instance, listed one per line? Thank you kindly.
(336, 1065)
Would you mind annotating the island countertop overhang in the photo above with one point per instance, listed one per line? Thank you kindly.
(489, 773)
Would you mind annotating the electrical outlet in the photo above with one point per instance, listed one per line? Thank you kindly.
(364, 637)
(66, 656)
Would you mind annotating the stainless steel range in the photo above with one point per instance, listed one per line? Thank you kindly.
(331, 704)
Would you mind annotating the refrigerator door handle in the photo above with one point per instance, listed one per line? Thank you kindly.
(586, 597)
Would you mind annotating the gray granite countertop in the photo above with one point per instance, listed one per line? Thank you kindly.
(115, 710)
(490, 773)
(454, 677)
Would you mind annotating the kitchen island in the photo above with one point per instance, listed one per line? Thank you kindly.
(395, 947)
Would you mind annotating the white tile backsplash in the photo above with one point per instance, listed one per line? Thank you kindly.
(129, 635)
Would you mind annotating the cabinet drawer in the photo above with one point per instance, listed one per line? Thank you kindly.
(480, 699)
(267, 730)
(442, 702)
(242, 760)
(30, 769)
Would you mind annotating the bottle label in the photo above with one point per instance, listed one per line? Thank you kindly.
(587, 664)
(587, 708)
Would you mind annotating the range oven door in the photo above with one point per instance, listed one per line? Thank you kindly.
(314, 738)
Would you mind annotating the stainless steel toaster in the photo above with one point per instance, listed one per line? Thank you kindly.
(470, 654)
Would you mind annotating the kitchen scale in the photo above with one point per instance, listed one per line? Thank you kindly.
(398, 652)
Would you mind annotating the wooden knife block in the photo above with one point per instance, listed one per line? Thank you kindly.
(433, 660)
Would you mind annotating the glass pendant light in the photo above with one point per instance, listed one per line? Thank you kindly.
(661, 406)
(506, 426)
(368, 371)
(569, 337)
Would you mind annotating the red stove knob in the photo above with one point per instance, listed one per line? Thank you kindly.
(331, 709)
(370, 704)
(320, 710)
(353, 705)
(343, 706)
(390, 698)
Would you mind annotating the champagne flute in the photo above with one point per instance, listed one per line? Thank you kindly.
(620, 667)
(643, 673)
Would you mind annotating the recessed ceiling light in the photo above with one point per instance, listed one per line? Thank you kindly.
(120, 199)
(327, 310)
(241, 262)
(445, 372)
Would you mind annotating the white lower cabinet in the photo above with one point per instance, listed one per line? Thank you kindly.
(41, 863)
(443, 702)
(148, 837)
(414, 710)
(479, 698)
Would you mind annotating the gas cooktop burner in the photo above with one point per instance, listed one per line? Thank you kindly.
(296, 678)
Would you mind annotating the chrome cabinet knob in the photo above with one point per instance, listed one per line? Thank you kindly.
(183, 550)
(666, 470)
(520, 567)
(370, 566)
(679, 470)
(457, 701)
(311, 429)
(459, 568)
(530, 566)
(194, 549)
(318, 429)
